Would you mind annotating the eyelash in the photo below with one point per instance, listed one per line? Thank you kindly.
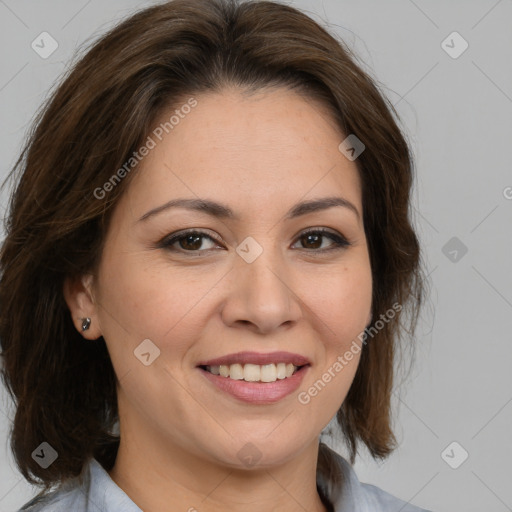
(340, 242)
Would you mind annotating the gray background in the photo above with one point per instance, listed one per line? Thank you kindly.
(457, 113)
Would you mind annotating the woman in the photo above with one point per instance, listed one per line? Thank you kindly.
(212, 220)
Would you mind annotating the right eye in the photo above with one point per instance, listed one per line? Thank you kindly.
(189, 241)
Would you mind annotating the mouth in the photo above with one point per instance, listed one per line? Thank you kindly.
(262, 386)
(254, 372)
(256, 377)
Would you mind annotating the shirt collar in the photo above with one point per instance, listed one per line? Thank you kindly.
(104, 494)
(340, 484)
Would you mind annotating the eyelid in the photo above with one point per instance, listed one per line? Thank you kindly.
(166, 241)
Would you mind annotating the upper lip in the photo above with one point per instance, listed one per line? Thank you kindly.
(257, 358)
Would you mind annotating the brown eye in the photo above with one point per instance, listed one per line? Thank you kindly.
(313, 239)
(189, 241)
(192, 242)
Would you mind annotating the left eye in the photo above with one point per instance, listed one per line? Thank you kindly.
(313, 236)
(192, 241)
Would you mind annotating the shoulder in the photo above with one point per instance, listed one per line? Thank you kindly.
(59, 500)
(92, 491)
(72, 494)
(378, 499)
(347, 493)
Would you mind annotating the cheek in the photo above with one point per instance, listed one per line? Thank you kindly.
(341, 302)
(143, 299)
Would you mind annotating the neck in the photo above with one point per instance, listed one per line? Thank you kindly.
(171, 475)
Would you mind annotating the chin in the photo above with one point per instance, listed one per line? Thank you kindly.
(262, 452)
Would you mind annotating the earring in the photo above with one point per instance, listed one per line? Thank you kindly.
(86, 323)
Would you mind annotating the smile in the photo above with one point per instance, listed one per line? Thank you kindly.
(254, 372)
(255, 377)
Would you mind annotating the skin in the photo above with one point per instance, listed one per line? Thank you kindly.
(180, 435)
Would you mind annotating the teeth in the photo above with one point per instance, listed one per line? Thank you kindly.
(268, 373)
(281, 371)
(236, 371)
(254, 372)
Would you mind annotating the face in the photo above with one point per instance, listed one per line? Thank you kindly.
(182, 291)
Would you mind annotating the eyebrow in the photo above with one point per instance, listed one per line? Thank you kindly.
(224, 212)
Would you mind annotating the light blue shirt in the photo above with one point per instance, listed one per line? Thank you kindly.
(97, 492)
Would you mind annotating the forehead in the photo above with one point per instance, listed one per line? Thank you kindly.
(268, 148)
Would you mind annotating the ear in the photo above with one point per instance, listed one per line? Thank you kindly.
(79, 297)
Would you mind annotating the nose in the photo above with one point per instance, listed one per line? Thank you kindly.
(261, 296)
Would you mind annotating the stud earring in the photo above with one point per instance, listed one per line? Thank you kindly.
(86, 323)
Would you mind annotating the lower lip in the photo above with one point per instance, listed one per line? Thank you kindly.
(257, 392)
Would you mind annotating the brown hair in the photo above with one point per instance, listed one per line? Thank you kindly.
(65, 389)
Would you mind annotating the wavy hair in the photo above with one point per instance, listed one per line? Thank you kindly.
(99, 114)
